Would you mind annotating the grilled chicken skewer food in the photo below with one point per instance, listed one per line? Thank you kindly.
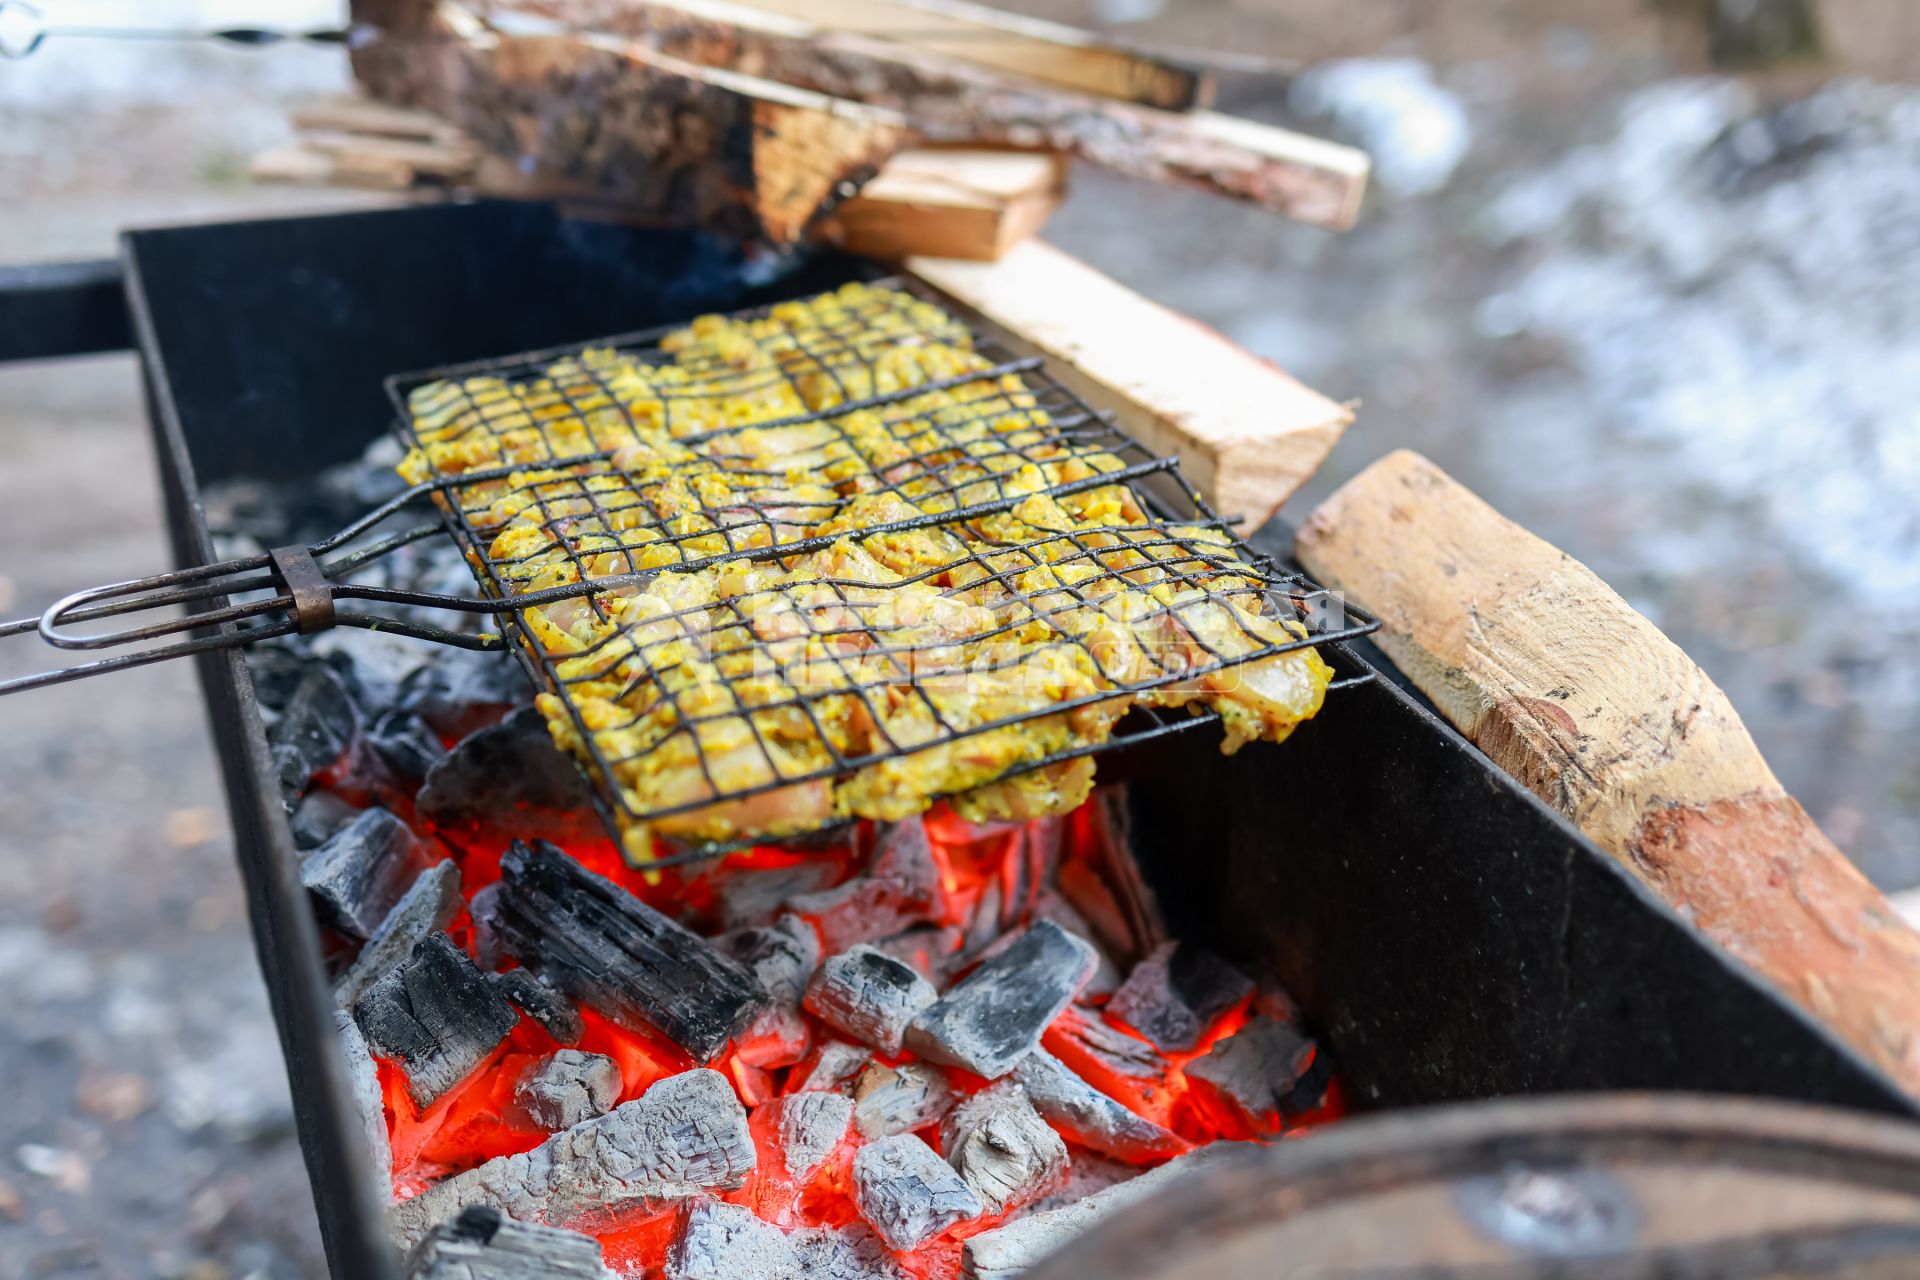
(893, 657)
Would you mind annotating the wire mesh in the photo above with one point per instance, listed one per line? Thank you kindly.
(838, 557)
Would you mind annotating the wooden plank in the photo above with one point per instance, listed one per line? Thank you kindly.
(667, 139)
(1247, 433)
(1049, 52)
(950, 102)
(378, 119)
(950, 204)
(1563, 685)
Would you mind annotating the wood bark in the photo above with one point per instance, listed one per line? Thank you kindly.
(948, 101)
(1584, 701)
(663, 138)
(1246, 433)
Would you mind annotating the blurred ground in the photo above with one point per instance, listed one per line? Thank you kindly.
(1658, 317)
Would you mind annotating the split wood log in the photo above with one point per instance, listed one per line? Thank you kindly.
(664, 138)
(1584, 701)
(481, 1243)
(1247, 434)
(974, 205)
(941, 99)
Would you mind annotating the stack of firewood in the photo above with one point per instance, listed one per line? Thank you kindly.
(790, 120)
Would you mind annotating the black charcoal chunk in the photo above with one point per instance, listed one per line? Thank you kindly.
(996, 1016)
(683, 1138)
(831, 1067)
(1006, 1251)
(1176, 993)
(1089, 1117)
(484, 1244)
(357, 876)
(406, 746)
(436, 1015)
(318, 815)
(363, 1082)
(1266, 1074)
(591, 939)
(509, 780)
(901, 888)
(811, 1126)
(461, 691)
(319, 725)
(551, 1009)
(277, 671)
(1001, 1148)
(889, 1099)
(720, 1241)
(566, 1088)
(427, 907)
(867, 994)
(907, 1193)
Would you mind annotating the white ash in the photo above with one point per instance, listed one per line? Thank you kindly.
(483, 1244)
(1001, 1148)
(685, 1136)
(907, 1193)
(363, 1084)
(566, 1088)
(1006, 1251)
(833, 1065)
(720, 1241)
(1089, 1117)
(812, 1125)
(868, 995)
(889, 1100)
(996, 1016)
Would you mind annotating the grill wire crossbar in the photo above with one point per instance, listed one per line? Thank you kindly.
(963, 448)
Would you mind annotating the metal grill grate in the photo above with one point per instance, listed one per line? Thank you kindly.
(887, 421)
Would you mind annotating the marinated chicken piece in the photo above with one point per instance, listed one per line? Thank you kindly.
(912, 646)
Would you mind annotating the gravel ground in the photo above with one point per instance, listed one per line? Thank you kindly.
(1663, 337)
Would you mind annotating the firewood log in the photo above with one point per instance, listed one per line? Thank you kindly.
(1584, 701)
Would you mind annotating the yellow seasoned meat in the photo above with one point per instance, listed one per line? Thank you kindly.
(964, 597)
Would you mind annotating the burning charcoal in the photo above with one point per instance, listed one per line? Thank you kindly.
(870, 996)
(1176, 993)
(319, 726)
(907, 1193)
(1002, 1149)
(406, 746)
(1095, 1049)
(1261, 1076)
(561, 1091)
(1089, 1117)
(889, 1100)
(995, 1018)
(436, 1015)
(460, 692)
(425, 908)
(277, 671)
(553, 1011)
(782, 956)
(318, 815)
(482, 1244)
(363, 1082)
(720, 1241)
(749, 895)
(933, 951)
(1103, 882)
(830, 1068)
(509, 781)
(356, 877)
(685, 1136)
(1006, 1251)
(811, 1126)
(1088, 1174)
(604, 947)
(1049, 905)
(901, 888)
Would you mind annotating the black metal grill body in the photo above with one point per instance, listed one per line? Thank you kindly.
(1452, 936)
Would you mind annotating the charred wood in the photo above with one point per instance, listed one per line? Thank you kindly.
(721, 1241)
(551, 1009)
(427, 907)
(1174, 995)
(1001, 1148)
(1089, 1117)
(510, 782)
(831, 1067)
(996, 1016)
(901, 889)
(356, 877)
(604, 947)
(483, 1244)
(868, 995)
(436, 1015)
(684, 1137)
(1262, 1076)
(907, 1193)
(811, 1126)
(889, 1099)
(567, 1088)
